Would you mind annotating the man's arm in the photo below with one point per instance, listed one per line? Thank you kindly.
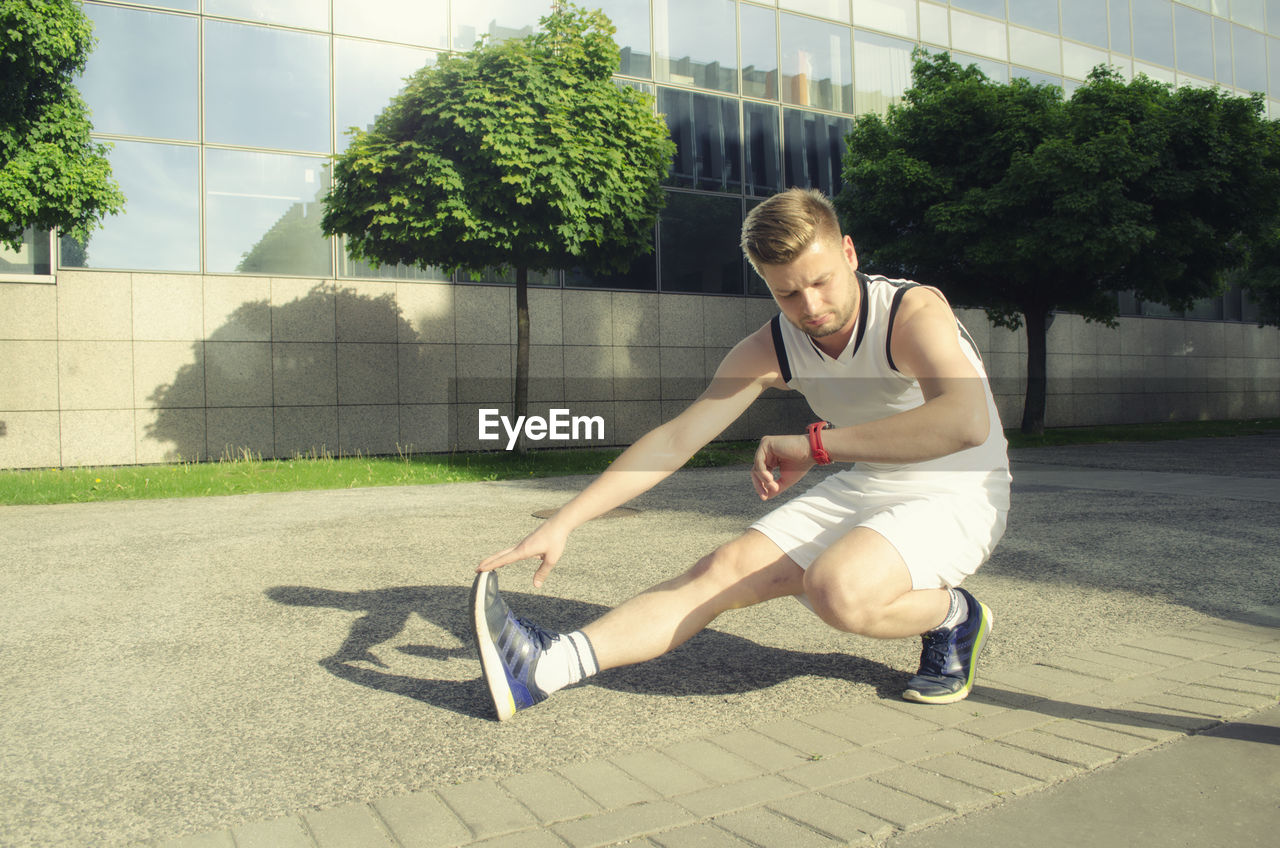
(953, 417)
(748, 369)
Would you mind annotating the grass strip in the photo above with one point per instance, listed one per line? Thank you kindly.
(244, 473)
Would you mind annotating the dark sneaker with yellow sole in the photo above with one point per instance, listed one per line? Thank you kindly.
(949, 658)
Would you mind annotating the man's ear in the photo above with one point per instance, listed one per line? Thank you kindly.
(850, 253)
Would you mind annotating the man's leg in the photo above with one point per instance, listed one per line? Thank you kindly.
(523, 663)
(746, 571)
(861, 584)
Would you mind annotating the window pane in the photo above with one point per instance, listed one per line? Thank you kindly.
(1035, 77)
(31, 258)
(814, 150)
(979, 35)
(995, 8)
(759, 52)
(699, 238)
(836, 10)
(159, 229)
(763, 148)
(366, 77)
(1251, 59)
(1085, 20)
(695, 43)
(1273, 48)
(263, 212)
(1273, 17)
(708, 146)
(882, 70)
(266, 87)
(631, 17)
(1035, 49)
(1251, 13)
(422, 22)
(1121, 42)
(933, 24)
(1041, 14)
(1153, 31)
(498, 19)
(817, 68)
(186, 5)
(1078, 60)
(895, 16)
(641, 276)
(1222, 52)
(313, 14)
(141, 77)
(1195, 41)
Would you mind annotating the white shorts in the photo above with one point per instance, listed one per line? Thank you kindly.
(944, 524)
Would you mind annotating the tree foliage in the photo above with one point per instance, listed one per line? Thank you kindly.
(52, 175)
(1024, 203)
(522, 154)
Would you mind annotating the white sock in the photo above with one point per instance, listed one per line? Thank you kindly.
(569, 660)
(958, 612)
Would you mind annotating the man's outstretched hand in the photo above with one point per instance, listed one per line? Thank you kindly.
(545, 544)
(788, 455)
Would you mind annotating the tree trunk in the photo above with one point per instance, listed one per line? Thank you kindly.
(522, 353)
(1037, 322)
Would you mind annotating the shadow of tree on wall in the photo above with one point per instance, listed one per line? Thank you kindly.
(331, 372)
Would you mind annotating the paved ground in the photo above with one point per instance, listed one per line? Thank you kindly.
(295, 669)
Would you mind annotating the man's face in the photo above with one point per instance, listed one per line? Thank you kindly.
(817, 291)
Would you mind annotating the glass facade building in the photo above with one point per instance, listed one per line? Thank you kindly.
(224, 114)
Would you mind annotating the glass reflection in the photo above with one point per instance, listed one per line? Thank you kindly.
(1121, 41)
(763, 148)
(312, 14)
(994, 8)
(695, 43)
(631, 17)
(1195, 41)
(817, 69)
(159, 229)
(1035, 49)
(699, 241)
(979, 35)
(1040, 14)
(141, 76)
(31, 257)
(497, 20)
(266, 87)
(263, 212)
(1085, 20)
(708, 145)
(1251, 13)
(836, 10)
(1250, 59)
(641, 276)
(894, 16)
(882, 70)
(366, 76)
(1222, 52)
(423, 22)
(1153, 31)
(813, 151)
(759, 52)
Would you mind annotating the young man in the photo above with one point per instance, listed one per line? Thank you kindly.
(877, 550)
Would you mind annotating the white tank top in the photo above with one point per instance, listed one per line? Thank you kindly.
(862, 384)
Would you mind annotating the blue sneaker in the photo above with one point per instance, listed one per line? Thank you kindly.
(509, 648)
(949, 659)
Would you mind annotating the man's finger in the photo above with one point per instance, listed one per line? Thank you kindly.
(500, 559)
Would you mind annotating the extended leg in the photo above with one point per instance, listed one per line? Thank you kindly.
(523, 663)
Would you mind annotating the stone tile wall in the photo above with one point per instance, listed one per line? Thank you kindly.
(106, 368)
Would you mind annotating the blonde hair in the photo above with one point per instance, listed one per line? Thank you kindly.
(787, 224)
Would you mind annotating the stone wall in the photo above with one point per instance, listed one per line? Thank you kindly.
(111, 368)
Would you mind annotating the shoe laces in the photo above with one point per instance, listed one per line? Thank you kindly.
(536, 633)
(933, 656)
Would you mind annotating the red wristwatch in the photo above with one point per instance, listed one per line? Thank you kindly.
(816, 450)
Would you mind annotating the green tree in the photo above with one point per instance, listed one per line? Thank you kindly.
(523, 154)
(52, 175)
(1024, 203)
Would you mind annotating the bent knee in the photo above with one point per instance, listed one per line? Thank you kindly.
(842, 606)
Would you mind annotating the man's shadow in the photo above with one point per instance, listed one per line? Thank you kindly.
(712, 663)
